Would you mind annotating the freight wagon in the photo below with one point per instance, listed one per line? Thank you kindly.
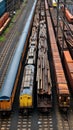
(43, 78)
(68, 13)
(4, 20)
(63, 94)
(68, 63)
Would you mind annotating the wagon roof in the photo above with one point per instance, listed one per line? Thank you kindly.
(8, 84)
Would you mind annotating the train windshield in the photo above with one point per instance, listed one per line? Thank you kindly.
(64, 98)
(27, 90)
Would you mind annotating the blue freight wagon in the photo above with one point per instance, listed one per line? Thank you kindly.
(2, 7)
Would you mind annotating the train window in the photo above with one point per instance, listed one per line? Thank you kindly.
(32, 44)
(30, 56)
(27, 87)
(29, 98)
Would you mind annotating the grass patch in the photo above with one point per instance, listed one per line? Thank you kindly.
(6, 30)
(25, 1)
(2, 38)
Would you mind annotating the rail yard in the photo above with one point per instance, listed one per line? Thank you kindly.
(36, 68)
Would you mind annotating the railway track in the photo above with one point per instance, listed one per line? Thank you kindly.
(64, 120)
(6, 56)
(54, 120)
(24, 122)
(68, 33)
(5, 123)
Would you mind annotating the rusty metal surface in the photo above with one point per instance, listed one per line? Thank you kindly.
(44, 85)
(68, 61)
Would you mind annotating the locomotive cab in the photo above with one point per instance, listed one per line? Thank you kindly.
(63, 96)
(64, 99)
(54, 3)
(26, 98)
(25, 101)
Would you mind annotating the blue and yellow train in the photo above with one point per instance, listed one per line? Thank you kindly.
(26, 97)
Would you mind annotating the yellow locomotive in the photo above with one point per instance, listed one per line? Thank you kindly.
(54, 3)
(26, 92)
